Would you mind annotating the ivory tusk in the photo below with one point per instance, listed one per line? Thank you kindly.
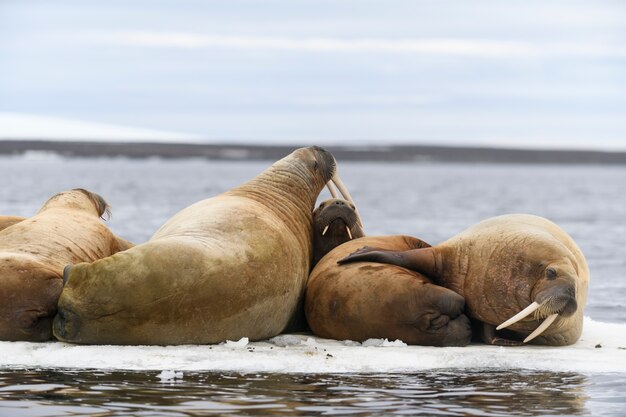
(525, 312)
(543, 326)
(349, 233)
(325, 230)
(331, 189)
(344, 191)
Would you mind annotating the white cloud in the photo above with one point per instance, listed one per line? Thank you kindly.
(432, 46)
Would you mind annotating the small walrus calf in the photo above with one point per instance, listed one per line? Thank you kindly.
(33, 252)
(335, 221)
(503, 265)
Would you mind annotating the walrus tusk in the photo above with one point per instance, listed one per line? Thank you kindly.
(525, 312)
(543, 326)
(325, 230)
(349, 233)
(344, 191)
(331, 189)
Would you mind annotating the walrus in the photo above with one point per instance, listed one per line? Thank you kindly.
(360, 301)
(335, 221)
(6, 221)
(33, 252)
(503, 265)
(227, 267)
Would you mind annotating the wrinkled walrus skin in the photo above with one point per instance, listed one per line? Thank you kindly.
(227, 267)
(33, 252)
(359, 301)
(503, 265)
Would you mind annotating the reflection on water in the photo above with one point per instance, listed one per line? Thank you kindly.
(487, 393)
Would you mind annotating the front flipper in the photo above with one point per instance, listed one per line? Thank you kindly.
(488, 335)
(123, 244)
(422, 260)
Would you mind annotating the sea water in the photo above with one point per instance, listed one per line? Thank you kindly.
(309, 376)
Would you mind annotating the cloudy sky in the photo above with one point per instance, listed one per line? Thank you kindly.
(508, 73)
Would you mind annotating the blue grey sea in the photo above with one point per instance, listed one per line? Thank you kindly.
(433, 201)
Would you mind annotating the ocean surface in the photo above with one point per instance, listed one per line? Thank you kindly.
(430, 200)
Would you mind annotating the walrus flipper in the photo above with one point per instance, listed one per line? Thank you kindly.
(487, 333)
(123, 244)
(420, 260)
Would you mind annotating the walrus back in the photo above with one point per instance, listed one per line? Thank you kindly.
(196, 281)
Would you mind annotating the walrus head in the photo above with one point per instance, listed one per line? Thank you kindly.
(335, 221)
(79, 198)
(553, 295)
(28, 298)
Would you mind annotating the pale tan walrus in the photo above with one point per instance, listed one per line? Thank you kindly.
(6, 221)
(227, 267)
(33, 252)
(503, 265)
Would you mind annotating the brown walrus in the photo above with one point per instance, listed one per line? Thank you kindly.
(227, 267)
(359, 301)
(6, 221)
(33, 252)
(335, 221)
(503, 265)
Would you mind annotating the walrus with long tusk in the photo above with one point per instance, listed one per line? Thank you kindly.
(227, 267)
(33, 252)
(335, 221)
(518, 272)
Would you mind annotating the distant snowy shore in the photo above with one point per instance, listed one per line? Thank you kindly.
(21, 133)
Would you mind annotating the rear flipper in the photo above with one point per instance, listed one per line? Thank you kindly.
(487, 334)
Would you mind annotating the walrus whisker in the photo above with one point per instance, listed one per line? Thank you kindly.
(543, 326)
(325, 230)
(519, 316)
(331, 189)
(346, 194)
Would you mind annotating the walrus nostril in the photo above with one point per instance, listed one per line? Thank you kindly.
(340, 203)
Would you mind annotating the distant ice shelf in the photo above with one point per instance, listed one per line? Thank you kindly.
(31, 127)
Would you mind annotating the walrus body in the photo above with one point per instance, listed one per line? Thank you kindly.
(335, 221)
(33, 252)
(503, 265)
(359, 301)
(228, 267)
(6, 221)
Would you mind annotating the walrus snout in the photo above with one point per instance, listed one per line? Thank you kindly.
(559, 300)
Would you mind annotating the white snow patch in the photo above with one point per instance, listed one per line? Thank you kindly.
(304, 353)
(383, 343)
(236, 344)
(166, 376)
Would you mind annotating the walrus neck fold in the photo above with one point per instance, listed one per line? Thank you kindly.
(287, 190)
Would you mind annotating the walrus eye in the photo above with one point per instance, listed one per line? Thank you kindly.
(315, 165)
(551, 273)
